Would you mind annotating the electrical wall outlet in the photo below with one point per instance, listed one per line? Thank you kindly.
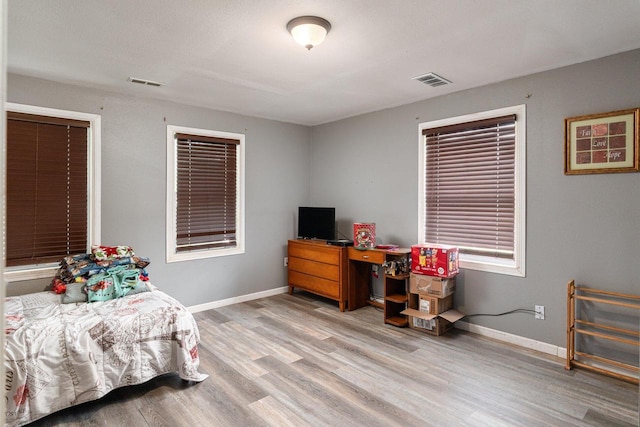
(286, 261)
(539, 312)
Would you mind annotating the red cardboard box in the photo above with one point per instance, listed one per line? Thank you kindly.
(364, 234)
(434, 260)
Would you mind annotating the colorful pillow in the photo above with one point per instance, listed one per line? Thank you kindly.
(106, 285)
(75, 293)
(116, 282)
(102, 253)
(101, 287)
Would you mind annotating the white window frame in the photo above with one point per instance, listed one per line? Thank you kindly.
(515, 267)
(48, 270)
(172, 255)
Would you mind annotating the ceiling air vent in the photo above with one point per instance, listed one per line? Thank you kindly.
(432, 79)
(145, 82)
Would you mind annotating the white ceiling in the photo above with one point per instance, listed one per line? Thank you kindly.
(236, 55)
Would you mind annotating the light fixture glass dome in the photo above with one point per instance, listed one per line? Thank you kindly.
(308, 31)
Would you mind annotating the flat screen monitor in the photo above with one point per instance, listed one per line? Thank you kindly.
(316, 223)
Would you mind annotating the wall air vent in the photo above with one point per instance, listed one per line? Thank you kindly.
(432, 79)
(145, 82)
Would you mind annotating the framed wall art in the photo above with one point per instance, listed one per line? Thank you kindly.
(602, 143)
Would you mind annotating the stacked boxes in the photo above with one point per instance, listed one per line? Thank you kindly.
(431, 287)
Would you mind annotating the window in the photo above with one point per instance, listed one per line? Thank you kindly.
(52, 191)
(205, 193)
(472, 188)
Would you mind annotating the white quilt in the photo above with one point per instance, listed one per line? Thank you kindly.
(59, 355)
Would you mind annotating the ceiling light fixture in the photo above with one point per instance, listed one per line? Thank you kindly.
(308, 31)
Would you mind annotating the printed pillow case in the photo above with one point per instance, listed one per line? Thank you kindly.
(103, 253)
(102, 287)
(115, 282)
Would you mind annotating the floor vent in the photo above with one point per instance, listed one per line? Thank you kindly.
(432, 79)
(145, 82)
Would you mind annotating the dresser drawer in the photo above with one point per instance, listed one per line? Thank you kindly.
(318, 285)
(314, 268)
(326, 254)
(373, 257)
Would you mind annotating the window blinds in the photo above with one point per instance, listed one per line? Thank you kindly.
(206, 192)
(46, 188)
(470, 186)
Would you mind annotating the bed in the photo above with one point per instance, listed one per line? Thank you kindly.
(59, 355)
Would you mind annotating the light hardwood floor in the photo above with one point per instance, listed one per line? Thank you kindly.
(296, 360)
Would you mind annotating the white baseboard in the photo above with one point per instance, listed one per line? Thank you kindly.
(513, 339)
(234, 300)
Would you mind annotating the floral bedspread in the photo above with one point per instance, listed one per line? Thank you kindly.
(59, 355)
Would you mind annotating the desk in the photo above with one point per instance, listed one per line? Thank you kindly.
(395, 292)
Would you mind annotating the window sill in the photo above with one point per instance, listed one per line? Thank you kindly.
(190, 256)
(30, 273)
(492, 265)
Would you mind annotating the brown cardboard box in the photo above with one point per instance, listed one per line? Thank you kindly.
(431, 285)
(434, 324)
(434, 305)
(437, 326)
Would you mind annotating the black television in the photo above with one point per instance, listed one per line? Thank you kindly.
(316, 223)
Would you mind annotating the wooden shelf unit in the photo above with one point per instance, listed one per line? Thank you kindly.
(620, 335)
(319, 268)
(395, 287)
(395, 293)
(397, 298)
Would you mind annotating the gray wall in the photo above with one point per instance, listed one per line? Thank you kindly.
(584, 227)
(134, 180)
(578, 227)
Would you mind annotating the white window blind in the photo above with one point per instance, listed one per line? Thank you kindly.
(470, 186)
(206, 192)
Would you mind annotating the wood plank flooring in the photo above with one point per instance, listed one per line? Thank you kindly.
(296, 360)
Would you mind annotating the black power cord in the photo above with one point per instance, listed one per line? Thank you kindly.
(517, 310)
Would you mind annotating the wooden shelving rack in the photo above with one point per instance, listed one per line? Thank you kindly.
(395, 293)
(598, 330)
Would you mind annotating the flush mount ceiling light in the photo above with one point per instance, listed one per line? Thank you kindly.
(308, 31)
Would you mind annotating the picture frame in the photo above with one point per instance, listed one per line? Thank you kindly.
(602, 143)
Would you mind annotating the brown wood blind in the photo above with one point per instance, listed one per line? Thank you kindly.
(206, 192)
(470, 186)
(46, 189)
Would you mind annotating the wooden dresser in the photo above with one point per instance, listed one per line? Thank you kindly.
(315, 266)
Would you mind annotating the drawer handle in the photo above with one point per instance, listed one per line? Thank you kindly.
(365, 256)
